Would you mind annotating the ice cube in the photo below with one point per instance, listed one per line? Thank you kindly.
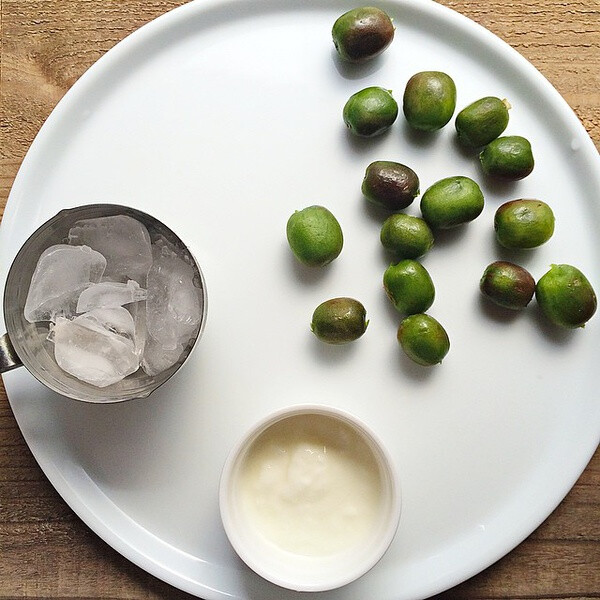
(156, 358)
(122, 240)
(97, 347)
(61, 273)
(173, 309)
(164, 244)
(167, 248)
(138, 313)
(110, 294)
(116, 320)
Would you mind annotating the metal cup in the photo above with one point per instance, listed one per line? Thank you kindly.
(25, 343)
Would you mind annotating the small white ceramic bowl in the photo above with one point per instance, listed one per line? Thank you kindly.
(284, 559)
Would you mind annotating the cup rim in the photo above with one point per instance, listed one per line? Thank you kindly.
(338, 577)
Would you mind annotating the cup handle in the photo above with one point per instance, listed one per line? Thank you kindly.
(8, 357)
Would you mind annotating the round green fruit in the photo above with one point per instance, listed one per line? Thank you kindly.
(566, 296)
(406, 236)
(423, 339)
(409, 287)
(523, 223)
(508, 157)
(315, 236)
(482, 121)
(390, 185)
(339, 321)
(507, 284)
(370, 112)
(362, 34)
(429, 100)
(452, 201)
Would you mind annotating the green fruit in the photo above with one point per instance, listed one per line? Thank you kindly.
(362, 34)
(423, 339)
(370, 112)
(429, 100)
(507, 285)
(409, 287)
(523, 223)
(452, 201)
(339, 321)
(390, 185)
(566, 297)
(315, 236)
(406, 236)
(508, 157)
(482, 121)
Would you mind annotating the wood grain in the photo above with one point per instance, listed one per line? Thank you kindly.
(45, 551)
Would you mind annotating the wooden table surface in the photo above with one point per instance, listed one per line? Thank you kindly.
(45, 550)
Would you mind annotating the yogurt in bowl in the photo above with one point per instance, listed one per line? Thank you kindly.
(309, 498)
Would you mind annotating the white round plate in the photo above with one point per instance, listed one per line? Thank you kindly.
(223, 117)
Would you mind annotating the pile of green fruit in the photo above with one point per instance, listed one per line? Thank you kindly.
(564, 294)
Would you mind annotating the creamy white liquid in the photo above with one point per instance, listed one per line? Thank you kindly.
(311, 485)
